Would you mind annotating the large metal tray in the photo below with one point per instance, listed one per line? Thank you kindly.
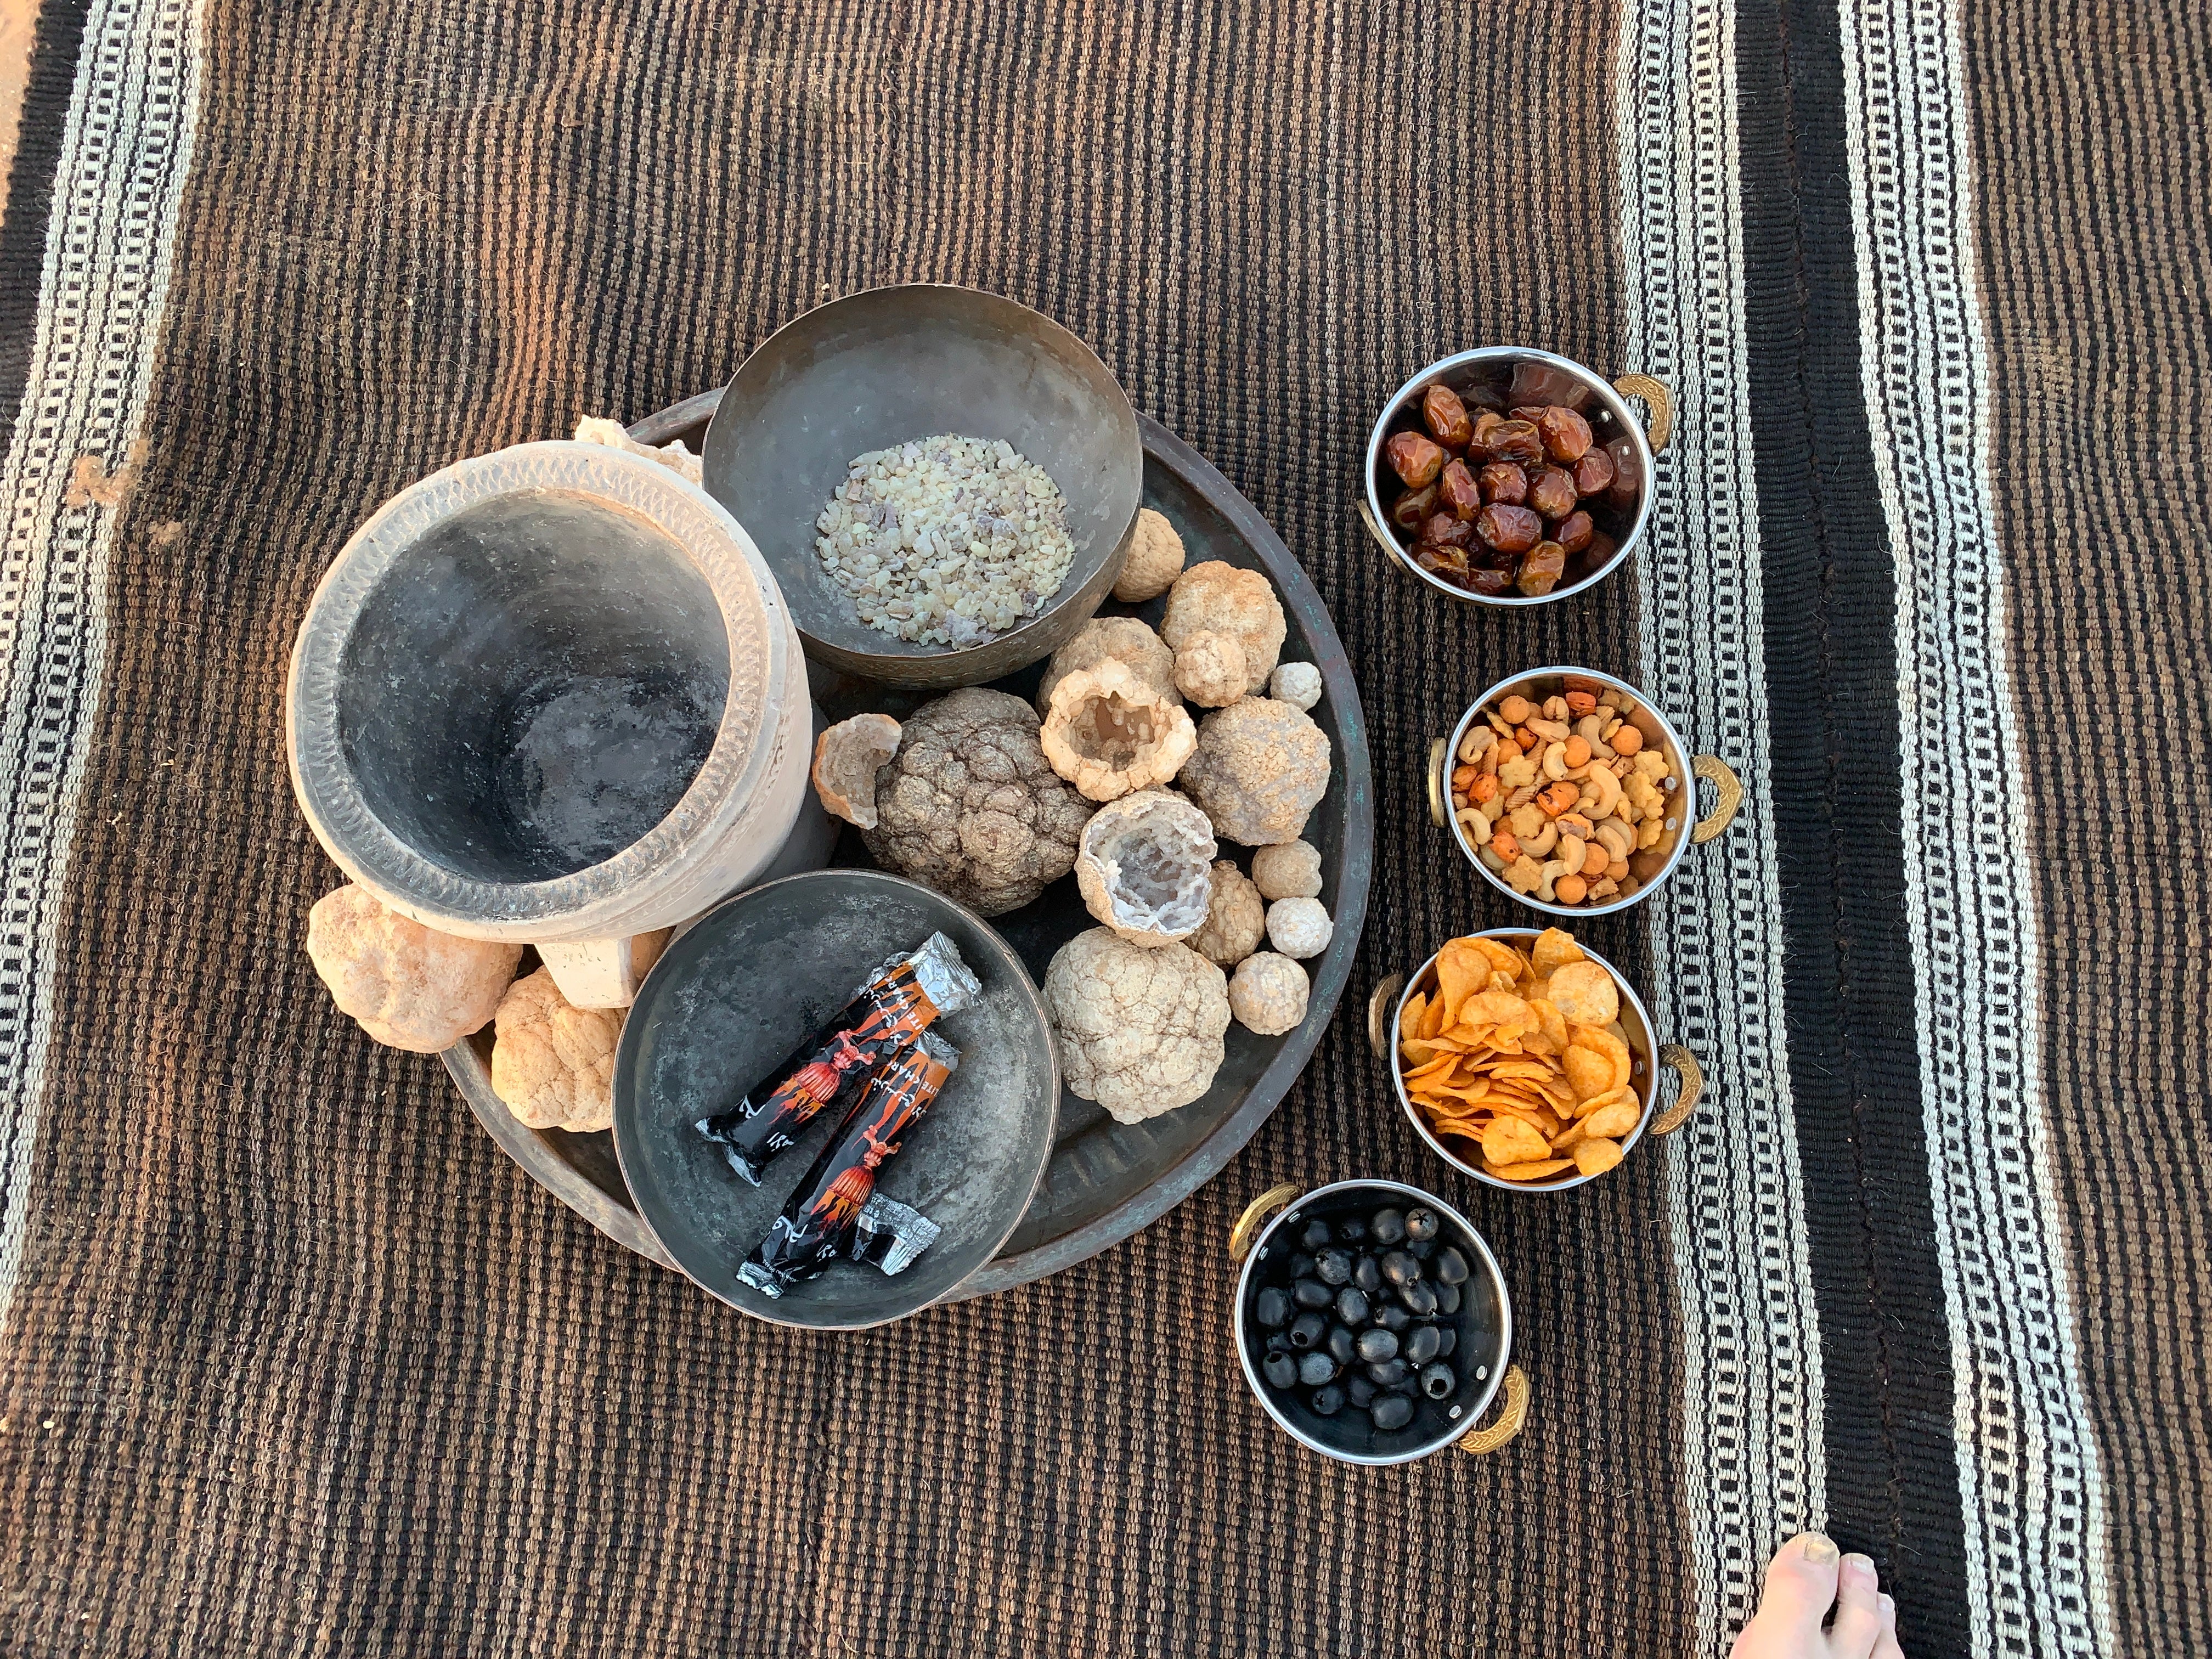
(1106, 1180)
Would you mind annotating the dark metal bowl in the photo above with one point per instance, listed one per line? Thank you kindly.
(889, 364)
(732, 996)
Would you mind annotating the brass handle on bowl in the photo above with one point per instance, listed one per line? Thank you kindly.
(1686, 1066)
(1728, 790)
(1382, 540)
(1659, 430)
(1255, 1217)
(1437, 814)
(1379, 1007)
(1511, 1421)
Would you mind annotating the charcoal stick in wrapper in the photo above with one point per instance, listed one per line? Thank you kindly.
(836, 1211)
(893, 1006)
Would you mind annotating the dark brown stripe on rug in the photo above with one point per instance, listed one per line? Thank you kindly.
(2089, 140)
(1832, 676)
(326, 1371)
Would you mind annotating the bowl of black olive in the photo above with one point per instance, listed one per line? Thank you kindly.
(1373, 1323)
(1512, 476)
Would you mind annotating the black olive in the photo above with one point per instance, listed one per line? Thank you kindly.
(1334, 1268)
(1392, 1317)
(1312, 1293)
(1316, 1237)
(1420, 1301)
(1351, 1305)
(1392, 1411)
(1271, 1307)
(1421, 1225)
(1421, 1345)
(1447, 1298)
(1387, 1227)
(1302, 1266)
(1280, 1370)
(1447, 1340)
(1339, 1345)
(1387, 1373)
(1317, 1368)
(1423, 1250)
(1351, 1229)
(1307, 1329)
(1327, 1401)
(1437, 1380)
(1450, 1268)
(1359, 1391)
(1378, 1344)
(1279, 1342)
(1367, 1275)
(1399, 1268)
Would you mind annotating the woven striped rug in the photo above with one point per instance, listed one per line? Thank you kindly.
(292, 1360)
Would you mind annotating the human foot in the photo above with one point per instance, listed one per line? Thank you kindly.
(1805, 1582)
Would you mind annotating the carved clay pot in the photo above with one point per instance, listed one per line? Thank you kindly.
(553, 695)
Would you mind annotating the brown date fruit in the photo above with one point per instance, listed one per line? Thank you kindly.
(1413, 459)
(1552, 493)
(1576, 532)
(1503, 482)
(1485, 580)
(1446, 418)
(1485, 428)
(1415, 505)
(1593, 472)
(1517, 440)
(1508, 529)
(1601, 549)
(1567, 435)
(1456, 490)
(1535, 385)
(1441, 530)
(1450, 562)
(1541, 570)
(1627, 475)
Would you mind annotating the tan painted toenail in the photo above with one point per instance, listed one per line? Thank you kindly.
(1820, 1548)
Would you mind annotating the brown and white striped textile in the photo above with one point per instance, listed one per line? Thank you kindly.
(292, 1360)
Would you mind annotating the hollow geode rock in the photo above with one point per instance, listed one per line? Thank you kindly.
(1110, 733)
(1144, 867)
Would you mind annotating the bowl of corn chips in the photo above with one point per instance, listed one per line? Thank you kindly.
(1526, 1061)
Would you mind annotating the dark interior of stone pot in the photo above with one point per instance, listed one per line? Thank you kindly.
(533, 686)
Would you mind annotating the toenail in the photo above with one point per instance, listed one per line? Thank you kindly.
(1860, 1564)
(1819, 1548)
(1888, 1602)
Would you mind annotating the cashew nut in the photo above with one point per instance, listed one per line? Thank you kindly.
(1572, 852)
(1474, 823)
(1491, 861)
(1555, 761)
(1472, 745)
(1551, 873)
(1600, 792)
(1552, 730)
(1540, 844)
(1616, 837)
(1590, 728)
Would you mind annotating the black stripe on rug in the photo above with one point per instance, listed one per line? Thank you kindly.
(1892, 1489)
(30, 197)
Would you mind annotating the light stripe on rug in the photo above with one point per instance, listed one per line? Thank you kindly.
(2030, 1489)
(125, 152)
(1754, 1451)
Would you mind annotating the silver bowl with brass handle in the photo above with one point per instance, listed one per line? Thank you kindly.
(1386, 1014)
(1481, 1359)
(1647, 866)
(1513, 374)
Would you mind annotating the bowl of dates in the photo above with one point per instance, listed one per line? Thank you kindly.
(1508, 476)
(1373, 1323)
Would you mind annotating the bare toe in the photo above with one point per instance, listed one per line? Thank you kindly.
(1801, 1590)
(1885, 1645)
(1858, 1610)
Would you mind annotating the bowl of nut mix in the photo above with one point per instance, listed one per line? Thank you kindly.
(1508, 476)
(1571, 792)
